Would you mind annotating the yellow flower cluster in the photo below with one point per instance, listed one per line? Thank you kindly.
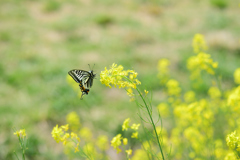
(21, 133)
(237, 76)
(173, 88)
(233, 141)
(199, 43)
(118, 77)
(89, 147)
(118, 139)
(60, 135)
(73, 121)
(234, 98)
(202, 61)
(163, 70)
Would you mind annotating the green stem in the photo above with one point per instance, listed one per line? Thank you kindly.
(154, 127)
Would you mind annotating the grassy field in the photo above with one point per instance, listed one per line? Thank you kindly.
(41, 40)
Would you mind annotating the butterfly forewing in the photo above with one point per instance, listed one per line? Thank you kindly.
(83, 77)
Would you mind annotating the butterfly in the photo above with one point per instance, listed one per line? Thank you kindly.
(84, 78)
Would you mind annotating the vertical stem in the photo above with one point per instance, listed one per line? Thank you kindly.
(154, 127)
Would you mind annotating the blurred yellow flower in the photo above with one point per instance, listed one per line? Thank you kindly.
(146, 92)
(202, 61)
(125, 125)
(199, 43)
(73, 121)
(189, 96)
(135, 126)
(163, 70)
(102, 142)
(85, 133)
(234, 97)
(230, 156)
(21, 133)
(233, 141)
(57, 133)
(140, 154)
(163, 109)
(237, 76)
(129, 152)
(116, 142)
(134, 135)
(125, 141)
(173, 87)
(214, 92)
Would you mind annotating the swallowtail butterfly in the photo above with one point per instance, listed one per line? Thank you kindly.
(84, 78)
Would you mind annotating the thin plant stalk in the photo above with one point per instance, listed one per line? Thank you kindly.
(150, 116)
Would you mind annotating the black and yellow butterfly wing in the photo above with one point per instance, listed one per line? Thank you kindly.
(83, 77)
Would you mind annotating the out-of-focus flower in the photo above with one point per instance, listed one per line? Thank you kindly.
(199, 43)
(125, 125)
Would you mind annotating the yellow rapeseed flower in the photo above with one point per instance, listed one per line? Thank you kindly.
(57, 133)
(163, 70)
(129, 152)
(135, 126)
(233, 141)
(202, 61)
(73, 121)
(21, 133)
(135, 135)
(116, 142)
(173, 87)
(125, 141)
(102, 142)
(163, 109)
(214, 92)
(125, 125)
(237, 76)
(199, 43)
(85, 133)
(189, 96)
(118, 77)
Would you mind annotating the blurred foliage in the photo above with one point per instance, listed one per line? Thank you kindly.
(41, 40)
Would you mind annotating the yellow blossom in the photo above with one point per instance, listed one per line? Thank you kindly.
(199, 43)
(129, 152)
(65, 127)
(73, 121)
(20, 133)
(140, 154)
(125, 141)
(163, 70)
(146, 92)
(214, 92)
(57, 133)
(76, 148)
(102, 142)
(201, 62)
(85, 133)
(173, 87)
(134, 135)
(118, 77)
(189, 96)
(135, 126)
(163, 109)
(116, 142)
(237, 76)
(125, 125)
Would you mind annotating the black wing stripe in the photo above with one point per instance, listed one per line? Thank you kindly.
(74, 76)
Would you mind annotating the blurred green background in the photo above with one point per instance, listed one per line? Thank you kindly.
(41, 40)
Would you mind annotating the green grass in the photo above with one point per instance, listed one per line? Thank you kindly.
(40, 41)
